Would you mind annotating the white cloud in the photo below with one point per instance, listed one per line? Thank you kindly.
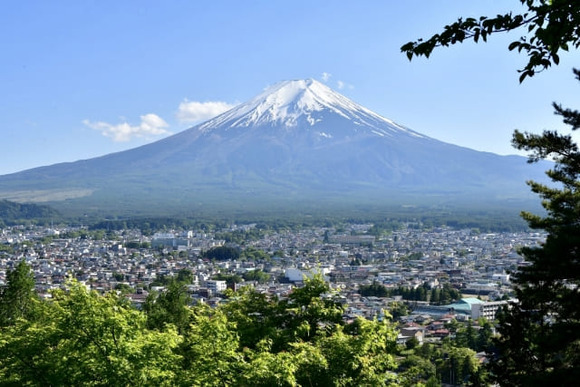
(326, 76)
(192, 111)
(151, 125)
(341, 85)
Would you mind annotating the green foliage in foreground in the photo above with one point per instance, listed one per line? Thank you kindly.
(82, 338)
(540, 335)
(539, 342)
(549, 27)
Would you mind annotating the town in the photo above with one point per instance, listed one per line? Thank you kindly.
(350, 257)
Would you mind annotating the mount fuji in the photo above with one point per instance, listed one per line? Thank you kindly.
(296, 143)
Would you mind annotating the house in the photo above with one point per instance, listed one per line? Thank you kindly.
(406, 333)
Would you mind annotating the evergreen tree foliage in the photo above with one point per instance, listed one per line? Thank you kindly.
(458, 366)
(375, 289)
(434, 364)
(541, 333)
(484, 337)
(222, 253)
(539, 341)
(467, 337)
(17, 297)
(444, 295)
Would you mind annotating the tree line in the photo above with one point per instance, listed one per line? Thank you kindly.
(79, 337)
(445, 294)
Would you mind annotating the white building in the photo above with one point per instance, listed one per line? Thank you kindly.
(297, 275)
(216, 286)
(487, 310)
(170, 240)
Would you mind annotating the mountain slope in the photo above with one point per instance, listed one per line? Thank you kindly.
(297, 139)
(16, 213)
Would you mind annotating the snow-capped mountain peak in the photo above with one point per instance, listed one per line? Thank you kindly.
(298, 146)
(302, 102)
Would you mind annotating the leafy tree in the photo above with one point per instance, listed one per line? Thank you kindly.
(363, 356)
(415, 369)
(167, 307)
(301, 341)
(420, 294)
(211, 350)
(222, 253)
(308, 311)
(256, 316)
(375, 289)
(185, 276)
(253, 254)
(398, 309)
(459, 366)
(118, 276)
(257, 275)
(264, 368)
(435, 364)
(467, 337)
(550, 26)
(137, 245)
(161, 280)
(17, 297)
(435, 296)
(7, 248)
(124, 288)
(229, 278)
(453, 326)
(82, 338)
(449, 294)
(12, 213)
(413, 342)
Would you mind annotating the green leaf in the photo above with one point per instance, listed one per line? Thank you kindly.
(513, 45)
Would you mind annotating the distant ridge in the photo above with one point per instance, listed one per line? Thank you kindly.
(12, 213)
(297, 142)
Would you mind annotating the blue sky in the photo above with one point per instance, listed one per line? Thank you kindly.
(80, 79)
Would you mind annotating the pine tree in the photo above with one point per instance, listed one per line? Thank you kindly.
(540, 335)
(17, 296)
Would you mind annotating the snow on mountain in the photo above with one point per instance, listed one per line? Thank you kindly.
(292, 103)
(297, 139)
